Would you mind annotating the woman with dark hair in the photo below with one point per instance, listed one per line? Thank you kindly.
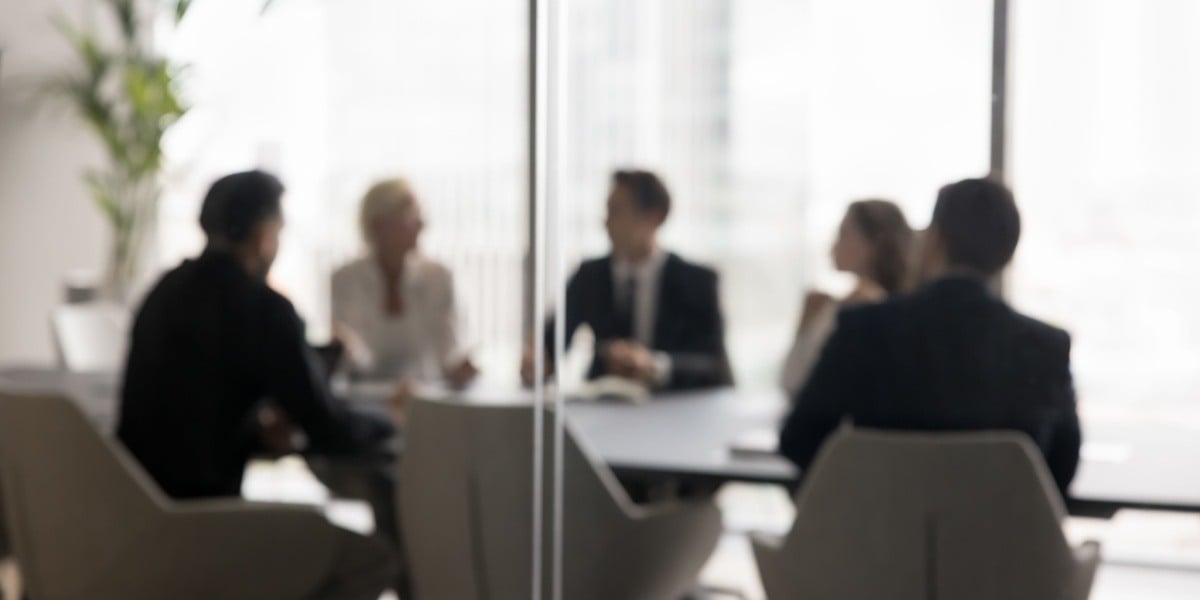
(875, 245)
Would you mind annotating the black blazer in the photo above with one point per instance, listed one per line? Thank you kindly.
(950, 357)
(209, 344)
(689, 326)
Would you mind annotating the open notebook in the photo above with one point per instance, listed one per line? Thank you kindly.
(612, 388)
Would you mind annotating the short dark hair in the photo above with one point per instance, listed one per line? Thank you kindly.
(884, 225)
(649, 192)
(237, 203)
(978, 223)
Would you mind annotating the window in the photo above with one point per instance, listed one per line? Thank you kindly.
(767, 118)
(1105, 142)
(335, 95)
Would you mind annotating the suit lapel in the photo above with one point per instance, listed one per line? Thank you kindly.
(667, 288)
(605, 301)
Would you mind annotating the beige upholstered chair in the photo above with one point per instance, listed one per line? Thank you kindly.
(466, 500)
(85, 521)
(955, 516)
(91, 337)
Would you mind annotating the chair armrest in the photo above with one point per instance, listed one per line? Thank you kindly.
(1087, 554)
(657, 550)
(276, 550)
(673, 523)
(666, 508)
(1087, 560)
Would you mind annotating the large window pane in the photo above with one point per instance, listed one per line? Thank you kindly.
(336, 95)
(1106, 138)
(766, 118)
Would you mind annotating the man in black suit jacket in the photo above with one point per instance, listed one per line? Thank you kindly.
(211, 343)
(656, 317)
(952, 356)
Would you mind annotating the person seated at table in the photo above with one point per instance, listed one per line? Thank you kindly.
(873, 244)
(656, 317)
(395, 309)
(951, 356)
(211, 343)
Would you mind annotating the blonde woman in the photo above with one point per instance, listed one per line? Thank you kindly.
(394, 308)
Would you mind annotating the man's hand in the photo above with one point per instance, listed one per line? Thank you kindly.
(357, 352)
(461, 374)
(630, 360)
(276, 433)
(528, 366)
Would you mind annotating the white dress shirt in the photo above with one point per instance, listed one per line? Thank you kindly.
(647, 276)
(422, 341)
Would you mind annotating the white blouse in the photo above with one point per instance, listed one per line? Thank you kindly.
(419, 343)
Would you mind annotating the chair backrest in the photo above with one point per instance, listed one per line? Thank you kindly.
(914, 516)
(436, 502)
(91, 337)
(490, 448)
(71, 496)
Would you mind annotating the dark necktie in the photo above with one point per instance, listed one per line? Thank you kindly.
(626, 301)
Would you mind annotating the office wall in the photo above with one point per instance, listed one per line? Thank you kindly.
(48, 225)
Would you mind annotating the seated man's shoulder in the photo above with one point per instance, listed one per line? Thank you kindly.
(271, 305)
(1041, 333)
(865, 315)
(595, 265)
(693, 270)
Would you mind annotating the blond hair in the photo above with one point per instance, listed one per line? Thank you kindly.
(383, 197)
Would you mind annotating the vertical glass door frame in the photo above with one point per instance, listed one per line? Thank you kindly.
(548, 63)
(1000, 95)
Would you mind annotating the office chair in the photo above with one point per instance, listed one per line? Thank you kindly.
(91, 337)
(85, 521)
(912, 516)
(466, 503)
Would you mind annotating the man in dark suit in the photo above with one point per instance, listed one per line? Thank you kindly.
(656, 317)
(212, 343)
(952, 356)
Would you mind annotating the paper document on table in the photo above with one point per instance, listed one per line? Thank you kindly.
(756, 442)
(612, 388)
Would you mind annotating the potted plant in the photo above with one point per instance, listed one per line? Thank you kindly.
(128, 95)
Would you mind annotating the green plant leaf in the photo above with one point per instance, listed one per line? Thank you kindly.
(105, 199)
(96, 61)
(129, 97)
(181, 9)
(125, 12)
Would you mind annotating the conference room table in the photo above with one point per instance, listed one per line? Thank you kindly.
(718, 436)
